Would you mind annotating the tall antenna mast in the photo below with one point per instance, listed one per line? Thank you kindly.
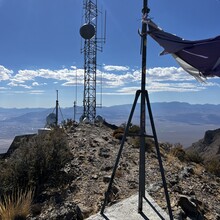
(75, 102)
(57, 106)
(92, 44)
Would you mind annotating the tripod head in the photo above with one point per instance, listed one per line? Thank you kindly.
(145, 9)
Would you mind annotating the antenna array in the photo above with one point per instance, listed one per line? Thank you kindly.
(92, 44)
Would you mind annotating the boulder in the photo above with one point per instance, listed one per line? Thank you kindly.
(189, 208)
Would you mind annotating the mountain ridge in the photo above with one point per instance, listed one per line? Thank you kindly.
(82, 180)
(208, 147)
(174, 121)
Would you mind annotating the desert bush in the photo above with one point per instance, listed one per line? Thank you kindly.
(194, 156)
(179, 152)
(213, 167)
(149, 143)
(36, 162)
(118, 133)
(16, 205)
(134, 129)
(136, 142)
(68, 123)
(119, 136)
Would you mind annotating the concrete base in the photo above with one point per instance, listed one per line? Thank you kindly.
(128, 210)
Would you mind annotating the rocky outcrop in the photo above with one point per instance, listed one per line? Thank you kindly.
(17, 142)
(190, 208)
(194, 193)
(62, 210)
(208, 147)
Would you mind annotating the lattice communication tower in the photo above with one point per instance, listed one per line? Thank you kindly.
(92, 44)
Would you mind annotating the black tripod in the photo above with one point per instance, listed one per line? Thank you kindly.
(144, 101)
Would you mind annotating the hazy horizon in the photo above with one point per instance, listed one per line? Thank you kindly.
(175, 122)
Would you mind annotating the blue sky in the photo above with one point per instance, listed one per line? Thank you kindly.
(40, 52)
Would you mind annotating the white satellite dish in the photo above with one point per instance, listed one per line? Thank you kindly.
(51, 119)
(99, 119)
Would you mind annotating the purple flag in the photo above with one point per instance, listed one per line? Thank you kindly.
(200, 58)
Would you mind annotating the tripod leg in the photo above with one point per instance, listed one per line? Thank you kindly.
(142, 152)
(120, 152)
(159, 157)
(141, 173)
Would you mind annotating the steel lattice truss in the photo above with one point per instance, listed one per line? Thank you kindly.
(90, 63)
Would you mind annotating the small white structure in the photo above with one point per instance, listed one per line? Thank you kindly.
(43, 130)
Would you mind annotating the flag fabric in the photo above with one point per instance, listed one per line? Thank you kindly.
(200, 58)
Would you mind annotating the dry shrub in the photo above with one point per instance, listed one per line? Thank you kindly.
(136, 142)
(194, 156)
(198, 169)
(173, 161)
(213, 167)
(134, 129)
(68, 123)
(149, 144)
(36, 162)
(118, 133)
(178, 152)
(16, 205)
(119, 136)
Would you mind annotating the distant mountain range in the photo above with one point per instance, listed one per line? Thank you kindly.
(175, 122)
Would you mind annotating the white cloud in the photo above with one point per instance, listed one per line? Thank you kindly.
(158, 79)
(5, 74)
(24, 75)
(161, 87)
(25, 86)
(29, 75)
(73, 83)
(158, 74)
(174, 87)
(128, 90)
(35, 84)
(3, 88)
(68, 75)
(168, 73)
(116, 80)
(115, 68)
(36, 92)
(13, 84)
(30, 92)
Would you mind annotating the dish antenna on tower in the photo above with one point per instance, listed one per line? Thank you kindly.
(87, 31)
(92, 44)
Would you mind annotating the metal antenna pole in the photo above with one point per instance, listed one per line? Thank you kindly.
(144, 100)
(145, 11)
(75, 102)
(144, 95)
(57, 106)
